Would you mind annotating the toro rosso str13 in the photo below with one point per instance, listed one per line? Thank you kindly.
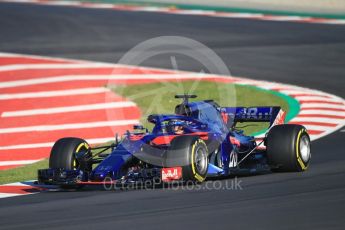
(200, 140)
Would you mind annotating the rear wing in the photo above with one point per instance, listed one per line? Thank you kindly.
(274, 114)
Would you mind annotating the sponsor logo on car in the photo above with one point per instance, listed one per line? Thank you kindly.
(169, 174)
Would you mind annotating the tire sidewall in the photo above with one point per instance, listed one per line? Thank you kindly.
(192, 169)
(181, 153)
(302, 164)
(283, 148)
(63, 152)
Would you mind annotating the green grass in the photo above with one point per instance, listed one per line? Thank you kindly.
(159, 98)
(24, 173)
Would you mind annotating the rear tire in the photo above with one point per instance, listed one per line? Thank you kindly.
(288, 148)
(190, 153)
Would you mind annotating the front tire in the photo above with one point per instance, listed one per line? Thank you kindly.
(63, 153)
(190, 153)
(288, 148)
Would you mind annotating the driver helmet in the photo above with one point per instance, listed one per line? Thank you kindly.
(177, 127)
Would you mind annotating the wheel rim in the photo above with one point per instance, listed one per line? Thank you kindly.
(75, 163)
(304, 148)
(201, 160)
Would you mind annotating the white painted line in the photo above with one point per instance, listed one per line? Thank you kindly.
(337, 21)
(261, 84)
(283, 18)
(293, 91)
(248, 82)
(193, 12)
(42, 128)
(238, 15)
(265, 86)
(98, 5)
(31, 183)
(50, 144)
(62, 3)
(318, 136)
(150, 9)
(343, 131)
(317, 119)
(318, 127)
(6, 195)
(36, 81)
(324, 101)
(54, 93)
(66, 109)
(326, 124)
(323, 112)
(53, 66)
(21, 183)
(321, 105)
(22, 162)
(316, 97)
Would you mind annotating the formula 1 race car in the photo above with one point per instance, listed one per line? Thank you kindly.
(199, 141)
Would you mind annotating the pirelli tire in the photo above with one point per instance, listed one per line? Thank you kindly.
(288, 148)
(190, 153)
(63, 153)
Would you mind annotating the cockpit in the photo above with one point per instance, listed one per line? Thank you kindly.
(204, 111)
(175, 124)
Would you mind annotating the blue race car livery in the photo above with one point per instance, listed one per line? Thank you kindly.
(199, 141)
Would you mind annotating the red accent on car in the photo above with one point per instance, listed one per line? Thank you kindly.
(166, 139)
(225, 117)
(234, 141)
(169, 174)
(136, 137)
(110, 182)
(280, 119)
(163, 140)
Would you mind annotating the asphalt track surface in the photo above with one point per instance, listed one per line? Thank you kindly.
(308, 55)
